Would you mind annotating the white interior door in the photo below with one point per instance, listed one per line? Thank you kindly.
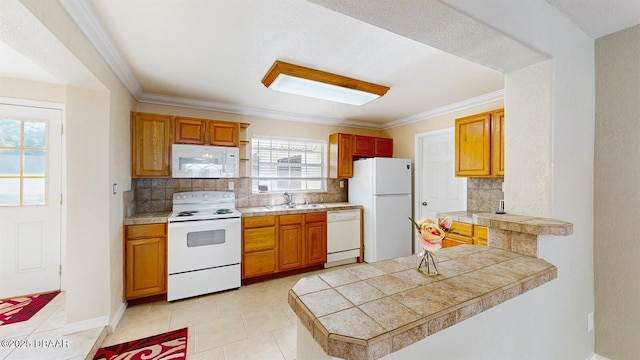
(30, 210)
(437, 188)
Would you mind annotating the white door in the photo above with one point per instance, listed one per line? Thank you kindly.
(437, 188)
(30, 210)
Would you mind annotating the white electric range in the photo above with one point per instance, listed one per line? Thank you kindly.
(204, 250)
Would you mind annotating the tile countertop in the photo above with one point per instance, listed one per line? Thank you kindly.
(263, 211)
(519, 223)
(161, 217)
(370, 310)
(147, 218)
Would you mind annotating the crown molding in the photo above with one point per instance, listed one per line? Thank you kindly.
(447, 109)
(82, 14)
(249, 111)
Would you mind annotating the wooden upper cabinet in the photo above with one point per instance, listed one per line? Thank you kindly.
(343, 148)
(150, 145)
(223, 133)
(206, 132)
(479, 142)
(189, 131)
(383, 147)
(340, 156)
(370, 146)
(497, 143)
(363, 145)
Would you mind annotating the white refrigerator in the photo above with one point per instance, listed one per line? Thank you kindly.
(383, 187)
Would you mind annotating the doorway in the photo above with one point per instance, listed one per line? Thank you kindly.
(30, 198)
(436, 187)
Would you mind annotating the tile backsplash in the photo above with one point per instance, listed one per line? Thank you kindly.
(155, 195)
(484, 194)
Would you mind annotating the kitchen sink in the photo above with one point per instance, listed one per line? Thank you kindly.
(294, 206)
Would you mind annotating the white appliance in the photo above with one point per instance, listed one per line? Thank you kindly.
(343, 237)
(204, 161)
(203, 244)
(383, 187)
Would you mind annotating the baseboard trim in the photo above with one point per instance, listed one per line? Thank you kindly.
(117, 317)
(83, 325)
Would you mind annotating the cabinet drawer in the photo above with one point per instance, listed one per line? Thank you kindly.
(316, 217)
(290, 219)
(259, 263)
(259, 239)
(453, 240)
(259, 221)
(147, 230)
(462, 228)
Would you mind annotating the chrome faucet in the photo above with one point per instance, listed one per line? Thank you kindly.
(288, 198)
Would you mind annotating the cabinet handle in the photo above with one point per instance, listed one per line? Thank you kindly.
(424, 203)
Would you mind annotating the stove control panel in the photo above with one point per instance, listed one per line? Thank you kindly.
(203, 197)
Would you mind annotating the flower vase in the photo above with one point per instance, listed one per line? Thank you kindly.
(428, 263)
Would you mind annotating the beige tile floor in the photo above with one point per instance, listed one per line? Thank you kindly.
(253, 322)
(46, 326)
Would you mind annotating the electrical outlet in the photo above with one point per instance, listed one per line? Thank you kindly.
(341, 184)
(590, 321)
(230, 185)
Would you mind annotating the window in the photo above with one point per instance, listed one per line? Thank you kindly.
(280, 164)
(22, 162)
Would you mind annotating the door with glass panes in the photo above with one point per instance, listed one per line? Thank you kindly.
(30, 199)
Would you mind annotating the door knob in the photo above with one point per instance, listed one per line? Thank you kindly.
(424, 203)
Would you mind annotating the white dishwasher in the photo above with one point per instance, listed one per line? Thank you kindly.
(343, 237)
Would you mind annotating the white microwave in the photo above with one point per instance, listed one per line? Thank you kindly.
(203, 161)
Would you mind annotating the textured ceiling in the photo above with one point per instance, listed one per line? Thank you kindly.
(213, 54)
(598, 18)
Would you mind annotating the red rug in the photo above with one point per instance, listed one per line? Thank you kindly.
(170, 345)
(23, 308)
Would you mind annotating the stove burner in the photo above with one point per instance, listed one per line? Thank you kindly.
(223, 211)
(187, 213)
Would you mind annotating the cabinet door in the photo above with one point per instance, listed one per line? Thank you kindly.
(290, 242)
(340, 156)
(150, 145)
(383, 147)
(223, 133)
(145, 270)
(480, 235)
(497, 143)
(188, 131)
(473, 145)
(316, 243)
(363, 145)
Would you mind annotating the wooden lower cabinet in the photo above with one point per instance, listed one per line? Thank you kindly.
(273, 244)
(480, 235)
(290, 242)
(145, 260)
(463, 233)
(258, 246)
(316, 238)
